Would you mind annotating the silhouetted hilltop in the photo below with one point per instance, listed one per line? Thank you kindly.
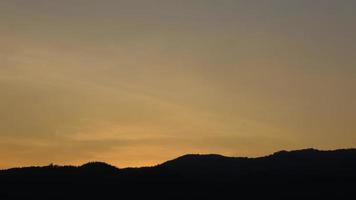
(307, 172)
(98, 167)
(197, 160)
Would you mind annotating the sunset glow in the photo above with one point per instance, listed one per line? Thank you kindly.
(136, 82)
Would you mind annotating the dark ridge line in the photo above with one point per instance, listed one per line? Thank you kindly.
(183, 157)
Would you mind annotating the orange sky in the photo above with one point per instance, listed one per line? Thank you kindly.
(136, 83)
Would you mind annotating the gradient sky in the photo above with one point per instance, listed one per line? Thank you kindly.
(136, 83)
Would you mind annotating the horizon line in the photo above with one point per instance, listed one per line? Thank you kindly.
(183, 155)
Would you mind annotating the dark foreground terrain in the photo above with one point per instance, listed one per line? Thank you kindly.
(303, 173)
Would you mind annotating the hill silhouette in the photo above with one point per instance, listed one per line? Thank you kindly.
(300, 173)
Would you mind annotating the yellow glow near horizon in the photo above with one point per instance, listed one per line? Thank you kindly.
(134, 83)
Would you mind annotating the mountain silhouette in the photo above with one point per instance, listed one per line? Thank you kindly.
(98, 168)
(300, 173)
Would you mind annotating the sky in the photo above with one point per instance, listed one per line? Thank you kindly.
(138, 82)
